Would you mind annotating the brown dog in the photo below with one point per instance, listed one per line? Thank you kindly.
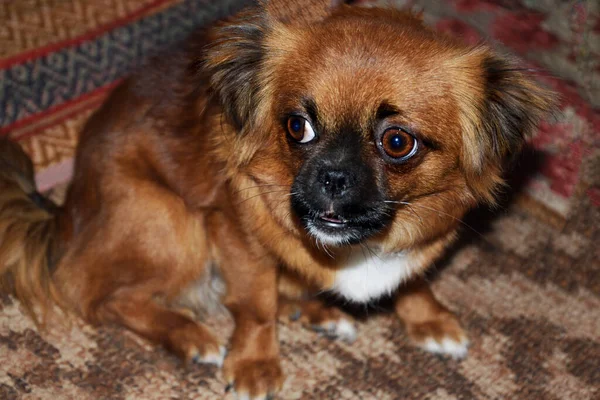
(290, 150)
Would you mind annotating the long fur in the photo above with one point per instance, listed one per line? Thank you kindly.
(187, 178)
(27, 231)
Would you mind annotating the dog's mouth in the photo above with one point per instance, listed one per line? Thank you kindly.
(340, 220)
(333, 228)
(332, 220)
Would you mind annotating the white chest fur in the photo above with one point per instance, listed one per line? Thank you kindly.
(367, 276)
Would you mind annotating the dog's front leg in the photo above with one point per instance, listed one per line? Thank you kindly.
(428, 323)
(299, 302)
(252, 365)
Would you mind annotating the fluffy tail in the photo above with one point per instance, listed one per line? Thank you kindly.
(27, 230)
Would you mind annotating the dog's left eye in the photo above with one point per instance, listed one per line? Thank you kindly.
(398, 144)
(300, 129)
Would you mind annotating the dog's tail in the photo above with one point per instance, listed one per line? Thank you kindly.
(27, 231)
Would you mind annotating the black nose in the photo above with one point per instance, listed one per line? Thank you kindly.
(335, 183)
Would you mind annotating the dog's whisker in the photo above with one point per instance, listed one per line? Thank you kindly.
(410, 207)
(260, 194)
(259, 186)
(439, 213)
(370, 250)
(328, 251)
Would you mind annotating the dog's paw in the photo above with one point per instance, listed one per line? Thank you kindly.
(195, 343)
(443, 335)
(341, 328)
(210, 356)
(253, 379)
(327, 321)
(245, 396)
(447, 346)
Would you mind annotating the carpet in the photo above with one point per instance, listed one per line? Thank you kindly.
(524, 279)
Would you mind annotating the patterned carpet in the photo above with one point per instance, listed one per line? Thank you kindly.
(524, 279)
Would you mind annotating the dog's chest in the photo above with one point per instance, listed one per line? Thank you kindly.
(368, 275)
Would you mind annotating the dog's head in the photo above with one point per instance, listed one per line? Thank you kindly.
(374, 125)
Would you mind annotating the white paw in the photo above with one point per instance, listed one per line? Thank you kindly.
(342, 329)
(447, 346)
(212, 358)
(246, 396)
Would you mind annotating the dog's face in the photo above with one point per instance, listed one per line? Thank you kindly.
(366, 123)
(378, 127)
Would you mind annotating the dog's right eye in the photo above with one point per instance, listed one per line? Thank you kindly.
(300, 129)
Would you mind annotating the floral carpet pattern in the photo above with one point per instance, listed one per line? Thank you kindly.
(524, 279)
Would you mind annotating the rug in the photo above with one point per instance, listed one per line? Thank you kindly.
(524, 279)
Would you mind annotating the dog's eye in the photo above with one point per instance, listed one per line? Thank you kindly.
(300, 129)
(398, 144)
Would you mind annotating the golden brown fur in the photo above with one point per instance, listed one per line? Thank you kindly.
(26, 233)
(185, 174)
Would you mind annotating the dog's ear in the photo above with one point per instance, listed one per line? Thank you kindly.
(301, 11)
(501, 110)
(236, 52)
(232, 60)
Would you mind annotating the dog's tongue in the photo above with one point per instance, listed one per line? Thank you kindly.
(331, 218)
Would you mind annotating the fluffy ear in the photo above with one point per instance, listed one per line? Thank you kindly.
(235, 56)
(507, 109)
(232, 62)
(301, 11)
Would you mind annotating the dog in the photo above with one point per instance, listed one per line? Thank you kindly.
(293, 149)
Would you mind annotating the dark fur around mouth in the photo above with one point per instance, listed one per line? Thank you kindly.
(363, 222)
(338, 193)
